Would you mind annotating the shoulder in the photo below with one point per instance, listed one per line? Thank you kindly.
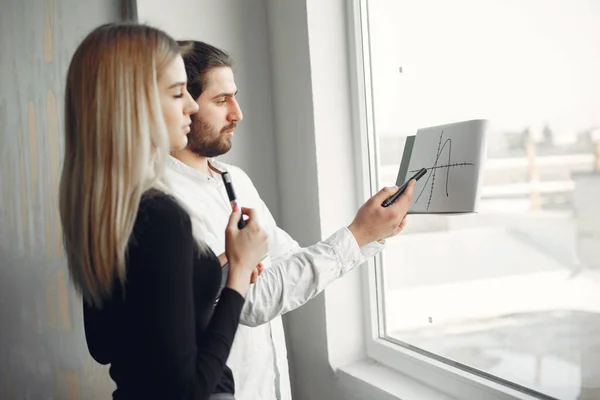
(160, 210)
(155, 201)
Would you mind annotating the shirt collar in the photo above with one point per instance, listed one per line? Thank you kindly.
(179, 167)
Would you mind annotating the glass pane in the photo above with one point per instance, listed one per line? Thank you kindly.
(513, 291)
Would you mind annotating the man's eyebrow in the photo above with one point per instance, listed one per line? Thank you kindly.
(225, 94)
(177, 84)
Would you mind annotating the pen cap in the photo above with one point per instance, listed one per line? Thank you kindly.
(228, 186)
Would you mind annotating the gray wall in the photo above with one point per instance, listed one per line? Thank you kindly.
(298, 180)
(42, 346)
(315, 156)
(238, 27)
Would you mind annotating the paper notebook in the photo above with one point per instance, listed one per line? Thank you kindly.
(454, 156)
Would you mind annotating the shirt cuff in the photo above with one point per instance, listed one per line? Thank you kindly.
(372, 249)
(346, 247)
(367, 251)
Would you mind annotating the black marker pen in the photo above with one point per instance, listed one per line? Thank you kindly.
(231, 195)
(390, 200)
(233, 201)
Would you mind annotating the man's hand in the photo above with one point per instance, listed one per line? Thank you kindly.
(399, 229)
(375, 222)
(256, 273)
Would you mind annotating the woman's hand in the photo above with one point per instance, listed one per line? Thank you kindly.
(244, 248)
(255, 273)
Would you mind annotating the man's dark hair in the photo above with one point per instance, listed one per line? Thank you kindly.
(199, 58)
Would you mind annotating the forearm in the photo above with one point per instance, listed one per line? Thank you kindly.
(300, 276)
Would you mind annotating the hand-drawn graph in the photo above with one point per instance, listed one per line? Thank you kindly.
(432, 170)
(454, 155)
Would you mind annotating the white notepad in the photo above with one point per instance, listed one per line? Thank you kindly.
(454, 156)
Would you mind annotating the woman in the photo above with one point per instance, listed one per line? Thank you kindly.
(148, 283)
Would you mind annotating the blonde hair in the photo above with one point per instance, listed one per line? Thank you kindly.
(116, 144)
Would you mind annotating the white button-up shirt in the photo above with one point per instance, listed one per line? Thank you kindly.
(292, 275)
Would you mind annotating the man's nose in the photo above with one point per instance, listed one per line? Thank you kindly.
(236, 112)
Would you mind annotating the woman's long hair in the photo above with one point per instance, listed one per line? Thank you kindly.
(116, 143)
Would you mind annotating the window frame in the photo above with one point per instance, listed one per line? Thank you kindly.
(419, 365)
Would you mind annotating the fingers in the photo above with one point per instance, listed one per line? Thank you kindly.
(256, 272)
(406, 197)
(252, 216)
(411, 188)
(235, 216)
(398, 229)
(250, 212)
(385, 193)
(403, 224)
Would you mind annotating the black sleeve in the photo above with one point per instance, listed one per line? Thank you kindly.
(160, 288)
(98, 333)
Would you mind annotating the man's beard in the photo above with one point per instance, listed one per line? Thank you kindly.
(203, 141)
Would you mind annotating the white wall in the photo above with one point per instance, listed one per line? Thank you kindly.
(238, 27)
(311, 94)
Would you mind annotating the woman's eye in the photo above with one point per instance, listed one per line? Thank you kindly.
(178, 96)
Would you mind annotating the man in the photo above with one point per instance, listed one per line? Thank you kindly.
(292, 275)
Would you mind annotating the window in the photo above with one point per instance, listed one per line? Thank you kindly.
(510, 295)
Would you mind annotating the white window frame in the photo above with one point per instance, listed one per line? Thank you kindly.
(440, 375)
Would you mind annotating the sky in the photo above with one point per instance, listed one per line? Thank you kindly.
(518, 63)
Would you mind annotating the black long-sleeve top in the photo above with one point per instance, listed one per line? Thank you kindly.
(161, 331)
